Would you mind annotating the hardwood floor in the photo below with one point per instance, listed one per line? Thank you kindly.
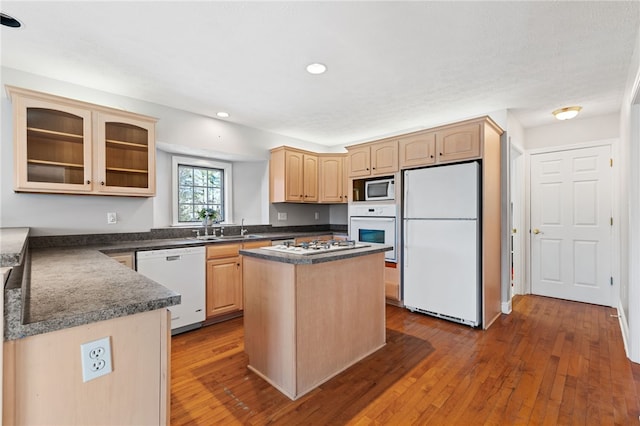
(549, 362)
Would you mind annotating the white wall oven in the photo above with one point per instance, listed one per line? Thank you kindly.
(374, 224)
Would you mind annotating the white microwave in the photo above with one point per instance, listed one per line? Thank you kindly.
(380, 189)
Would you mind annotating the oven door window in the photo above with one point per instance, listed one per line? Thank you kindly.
(371, 236)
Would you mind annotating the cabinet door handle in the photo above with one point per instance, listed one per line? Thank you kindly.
(441, 154)
(102, 183)
(88, 182)
(431, 156)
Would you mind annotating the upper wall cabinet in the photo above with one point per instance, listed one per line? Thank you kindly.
(452, 143)
(373, 159)
(293, 176)
(458, 143)
(417, 150)
(67, 146)
(333, 185)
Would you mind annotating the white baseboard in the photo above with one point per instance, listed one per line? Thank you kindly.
(624, 328)
(506, 307)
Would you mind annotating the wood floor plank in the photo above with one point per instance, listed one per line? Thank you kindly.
(549, 362)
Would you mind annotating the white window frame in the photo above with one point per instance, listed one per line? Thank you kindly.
(201, 162)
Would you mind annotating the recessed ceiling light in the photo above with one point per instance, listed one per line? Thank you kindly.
(223, 114)
(566, 113)
(316, 68)
(9, 21)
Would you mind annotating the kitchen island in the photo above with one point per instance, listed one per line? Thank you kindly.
(309, 317)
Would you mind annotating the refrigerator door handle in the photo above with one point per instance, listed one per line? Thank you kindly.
(406, 247)
(406, 190)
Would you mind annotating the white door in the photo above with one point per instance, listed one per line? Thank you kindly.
(571, 234)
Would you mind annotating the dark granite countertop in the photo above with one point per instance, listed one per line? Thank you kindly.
(299, 259)
(12, 246)
(70, 286)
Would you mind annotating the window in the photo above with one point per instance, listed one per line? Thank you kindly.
(198, 184)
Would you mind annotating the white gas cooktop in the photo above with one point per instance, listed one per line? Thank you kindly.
(318, 247)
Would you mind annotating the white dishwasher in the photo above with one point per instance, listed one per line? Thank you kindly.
(182, 270)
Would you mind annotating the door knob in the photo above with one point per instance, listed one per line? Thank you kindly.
(537, 231)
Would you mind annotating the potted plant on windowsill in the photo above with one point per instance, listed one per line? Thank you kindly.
(209, 216)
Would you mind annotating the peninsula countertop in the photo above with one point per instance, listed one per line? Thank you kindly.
(71, 287)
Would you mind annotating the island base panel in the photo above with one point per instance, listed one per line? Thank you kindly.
(306, 323)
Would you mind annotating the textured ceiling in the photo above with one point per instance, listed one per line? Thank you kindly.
(392, 66)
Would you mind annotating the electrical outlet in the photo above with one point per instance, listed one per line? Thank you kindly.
(96, 358)
(112, 218)
(282, 215)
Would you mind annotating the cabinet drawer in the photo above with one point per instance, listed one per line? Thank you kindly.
(216, 251)
(256, 244)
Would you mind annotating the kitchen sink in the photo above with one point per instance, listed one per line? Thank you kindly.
(228, 237)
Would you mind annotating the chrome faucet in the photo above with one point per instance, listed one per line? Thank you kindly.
(242, 230)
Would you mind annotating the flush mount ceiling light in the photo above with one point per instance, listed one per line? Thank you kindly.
(316, 68)
(566, 113)
(9, 21)
(223, 114)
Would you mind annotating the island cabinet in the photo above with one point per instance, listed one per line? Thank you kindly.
(373, 159)
(306, 323)
(224, 278)
(67, 146)
(293, 176)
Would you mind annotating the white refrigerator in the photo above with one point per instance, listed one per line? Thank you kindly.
(441, 242)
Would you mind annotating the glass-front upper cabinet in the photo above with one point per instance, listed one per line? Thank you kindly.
(52, 147)
(67, 146)
(125, 153)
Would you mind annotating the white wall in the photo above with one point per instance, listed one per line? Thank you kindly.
(630, 209)
(177, 130)
(578, 130)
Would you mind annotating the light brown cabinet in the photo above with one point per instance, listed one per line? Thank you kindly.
(449, 144)
(458, 143)
(224, 277)
(124, 258)
(392, 283)
(332, 182)
(43, 375)
(373, 159)
(67, 146)
(293, 176)
(418, 149)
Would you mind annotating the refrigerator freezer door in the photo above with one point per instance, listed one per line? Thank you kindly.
(441, 268)
(442, 192)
